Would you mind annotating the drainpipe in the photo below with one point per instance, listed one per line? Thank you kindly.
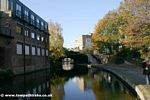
(24, 62)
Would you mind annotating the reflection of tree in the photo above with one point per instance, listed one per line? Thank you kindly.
(57, 92)
(98, 90)
(104, 86)
(103, 90)
(57, 88)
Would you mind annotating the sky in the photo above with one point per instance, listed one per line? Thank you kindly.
(77, 17)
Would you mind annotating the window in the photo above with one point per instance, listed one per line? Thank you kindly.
(32, 19)
(37, 22)
(33, 50)
(88, 40)
(42, 38)
(38, 37)
(11, 5)
(42, 25)
(46, 52)
(18, 29)
(43, 52)
(33, 35)
(19, 48)
(45, 26)
(26, 15)
(26, 32)
(46, 40)
(18, 10)
(38, 51)
(27, 50)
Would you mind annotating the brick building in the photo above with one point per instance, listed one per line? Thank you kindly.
(24, 38)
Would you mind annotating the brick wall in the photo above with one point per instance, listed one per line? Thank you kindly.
(14, 61)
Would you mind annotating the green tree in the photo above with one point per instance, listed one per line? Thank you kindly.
(128, 26)
(56, 41)
(138, 29)
(139, 8)
(107, 32)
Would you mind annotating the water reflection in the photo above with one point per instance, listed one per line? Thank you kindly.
(34, 83)
(100, 86)
(67, 63)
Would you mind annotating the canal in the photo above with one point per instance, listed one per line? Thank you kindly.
(100, 85)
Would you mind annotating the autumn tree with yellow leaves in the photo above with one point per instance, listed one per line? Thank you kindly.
(56, 41)
(127, 27)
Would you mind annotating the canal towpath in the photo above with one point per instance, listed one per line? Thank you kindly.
(130, 73)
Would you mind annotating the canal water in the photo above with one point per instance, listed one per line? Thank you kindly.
(98, 86)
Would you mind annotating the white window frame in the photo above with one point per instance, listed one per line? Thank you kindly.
(32, 19)
(43, 52)
(46, 52)
(19, 48)
(33, 35)
(26, 13)
(39, 51)
(42, 38)
(33, 50)
(37, 22)
(27, 50)
(18, 10)
(45, 26)
(38, 37)
(26, 32)
(42, 25)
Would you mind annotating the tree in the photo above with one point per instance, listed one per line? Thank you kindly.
(138, 30)
(56, 41)
(139, 8)
(97, 37)
(107, 32)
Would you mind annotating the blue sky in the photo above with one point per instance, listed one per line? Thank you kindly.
(76, 17)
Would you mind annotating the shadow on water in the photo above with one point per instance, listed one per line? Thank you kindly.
(76, 84)
(32, 83)
(109, 87)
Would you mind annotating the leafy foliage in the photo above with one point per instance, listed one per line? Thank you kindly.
(126, 27)
(56, 41)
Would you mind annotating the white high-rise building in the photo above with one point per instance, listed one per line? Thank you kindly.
(82, 42)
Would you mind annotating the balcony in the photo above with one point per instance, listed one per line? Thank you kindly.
(6, 32)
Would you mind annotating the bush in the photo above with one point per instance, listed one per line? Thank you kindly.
(119, 58)
(126, 54)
